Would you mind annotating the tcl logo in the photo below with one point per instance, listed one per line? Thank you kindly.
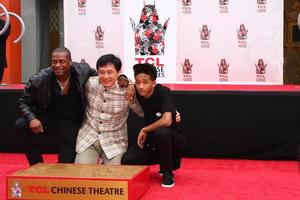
(38, 189)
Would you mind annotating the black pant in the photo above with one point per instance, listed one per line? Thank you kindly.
(66, 132)
(159, 148)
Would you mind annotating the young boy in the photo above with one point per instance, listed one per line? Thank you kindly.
(158, 140)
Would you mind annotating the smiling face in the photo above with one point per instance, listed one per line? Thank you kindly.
(61, 64)
(108, 75)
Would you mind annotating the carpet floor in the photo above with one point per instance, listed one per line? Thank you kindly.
(207, 179)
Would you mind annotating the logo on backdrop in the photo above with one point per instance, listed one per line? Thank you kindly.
(186, 2)
(260, 67)
(223, 70)
(149, 38)
(16, 190)
(149, 34)
(115, 6)
(186, 6)
(242, 34)
(99, 37)
(115, 3)
(81, 7)
(187, 70)
(223, 4)
(261, 6)
(262, 2)
(204, 36)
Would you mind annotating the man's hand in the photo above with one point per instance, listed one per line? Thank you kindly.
(130, 92)
(141, 138)
(178, 117)
(36, 126)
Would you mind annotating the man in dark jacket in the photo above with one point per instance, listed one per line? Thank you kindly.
(53, 103)
(3, 38)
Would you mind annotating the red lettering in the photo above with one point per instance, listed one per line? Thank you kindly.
(139, 60)
(31, 189)
(151, 59)
(158, 64)
(38, 189)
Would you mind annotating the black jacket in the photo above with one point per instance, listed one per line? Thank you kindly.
(37, 94)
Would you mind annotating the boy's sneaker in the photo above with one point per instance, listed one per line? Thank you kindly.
(168, 180)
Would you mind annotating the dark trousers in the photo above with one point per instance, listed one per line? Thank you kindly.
(159, 149)
(64, 130)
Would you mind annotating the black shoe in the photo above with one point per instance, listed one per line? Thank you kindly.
(168, 180)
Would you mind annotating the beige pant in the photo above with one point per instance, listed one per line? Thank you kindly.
(95, 154)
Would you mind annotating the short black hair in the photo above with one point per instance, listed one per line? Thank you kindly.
(123, 76)
(62, 50)
(109, 58)
(145, 68)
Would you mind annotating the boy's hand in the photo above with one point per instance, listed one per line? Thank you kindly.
(178, 117)
(141, 138)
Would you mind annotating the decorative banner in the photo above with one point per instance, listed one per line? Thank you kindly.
(55, 181)
(67, 189)
(189, 41)
(150, 36)
(93, 28)
(228, 39)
